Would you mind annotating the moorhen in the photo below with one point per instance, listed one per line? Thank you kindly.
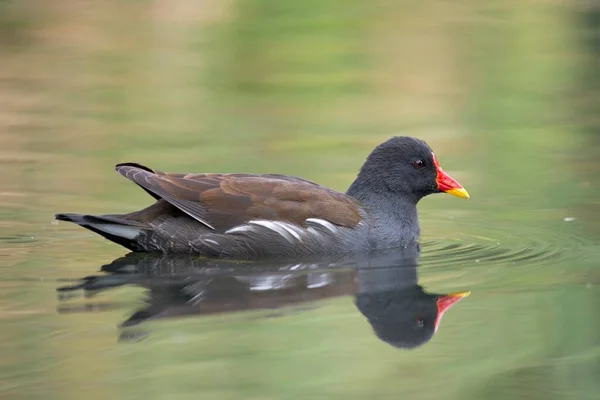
(251, 216)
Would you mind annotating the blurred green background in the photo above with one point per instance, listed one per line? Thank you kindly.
(506, 93)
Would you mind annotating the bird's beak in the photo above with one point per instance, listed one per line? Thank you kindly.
(444, 302)
(447, 184)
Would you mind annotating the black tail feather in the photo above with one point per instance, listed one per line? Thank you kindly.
(98, 219)
(88, 222)
(77, 218)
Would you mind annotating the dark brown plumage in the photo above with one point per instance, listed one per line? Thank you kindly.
(223, 201)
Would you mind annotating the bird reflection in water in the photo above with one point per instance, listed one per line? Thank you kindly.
(384, 285)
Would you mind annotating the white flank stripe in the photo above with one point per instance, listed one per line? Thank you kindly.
(324, 223)
(279, 227)
(211, 241)
(124, 231)
(296, 232)
(241, 228)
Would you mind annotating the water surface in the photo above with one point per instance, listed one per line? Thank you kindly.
(507, 96)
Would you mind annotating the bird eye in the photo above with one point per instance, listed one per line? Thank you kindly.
(419, 164)
(420, 322)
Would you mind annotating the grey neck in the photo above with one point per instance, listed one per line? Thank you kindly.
(393, 218)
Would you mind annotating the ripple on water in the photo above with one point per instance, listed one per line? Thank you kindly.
(531, 249)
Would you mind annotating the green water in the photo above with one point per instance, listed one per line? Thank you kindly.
(506, 93)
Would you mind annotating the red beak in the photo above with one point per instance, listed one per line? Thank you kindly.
(446, 183)
(446, 301)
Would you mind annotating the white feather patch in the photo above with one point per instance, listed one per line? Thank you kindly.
(283, 228)
(240, 228)
(294, 230)
(124, 231)
(323, 223)
(211, 241)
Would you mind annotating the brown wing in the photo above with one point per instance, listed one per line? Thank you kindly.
(222, 201)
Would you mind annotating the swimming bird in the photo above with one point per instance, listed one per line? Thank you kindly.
(254, 216)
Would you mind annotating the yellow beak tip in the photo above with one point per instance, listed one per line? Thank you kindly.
(461, 294)
(461, 192)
